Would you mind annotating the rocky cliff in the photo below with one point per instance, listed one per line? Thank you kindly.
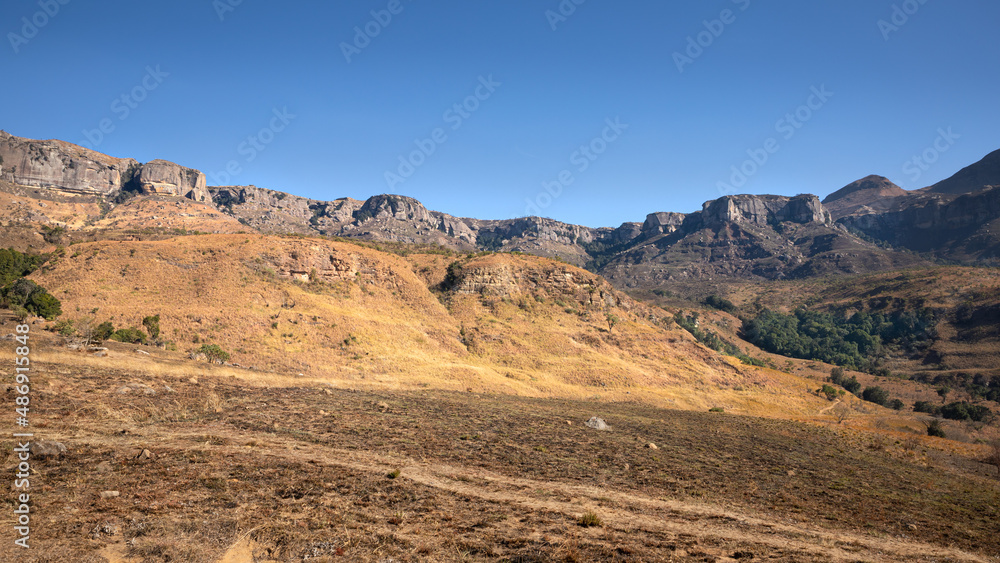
(71, 169)
(62, 166)
(163, 177)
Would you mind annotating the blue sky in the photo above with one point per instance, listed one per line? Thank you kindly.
(289, 96)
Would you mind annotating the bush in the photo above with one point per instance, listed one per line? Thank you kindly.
(852, 385)
(837, 375)
(896, 405)
(875, 395)
(965, 411)
(716, 409)
(152, 325)
(934, 429)
(831, 392)
(214, 353)
(926, 407)
(103, 331)
(31, 297)
(130, 335)
(64, 328)
(590, 519)
(716, 302)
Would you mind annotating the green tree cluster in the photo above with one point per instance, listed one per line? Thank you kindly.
(856, 342)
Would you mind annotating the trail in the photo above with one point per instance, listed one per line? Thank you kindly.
(829, 408)
(620, 510)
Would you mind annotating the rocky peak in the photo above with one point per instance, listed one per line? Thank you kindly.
(761, 210)
(401, 208)
(877, 186)
(662, 222)
(163, 177)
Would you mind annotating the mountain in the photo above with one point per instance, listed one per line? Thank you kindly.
(871, 192)
(860, 228)
(976, 177)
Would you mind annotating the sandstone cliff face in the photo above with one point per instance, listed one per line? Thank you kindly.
(658, 223)
(762, 210)
(163, 177)
(62, 166)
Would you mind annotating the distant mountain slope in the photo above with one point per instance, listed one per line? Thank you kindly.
(734, 237)
(871, 192)
(972, 178)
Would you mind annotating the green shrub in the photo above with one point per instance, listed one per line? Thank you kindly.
(103, 331)
(214, 353)
(837, 375)
(875, 395)
(130, 335)
(31, 297)
(926, 407)
(64, 328)
(152, 325)
(965, 411)
(934, 429)
(852, 385)
(716, 302)
(896, 405)
(716, 409)
(831, 392)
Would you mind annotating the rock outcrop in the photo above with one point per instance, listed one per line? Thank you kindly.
(163, 177)
(660, 223)
(762, 210)
(62, 166)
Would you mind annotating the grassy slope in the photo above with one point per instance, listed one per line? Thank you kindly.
(376, 322)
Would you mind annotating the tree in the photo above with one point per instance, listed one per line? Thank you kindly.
(852, 385)
(130, 335)
(214, 353)
(152, 325)
(943, 393)
(612, 320)
(33, 298)
(837, 375)
(875, 395)
(934, 429)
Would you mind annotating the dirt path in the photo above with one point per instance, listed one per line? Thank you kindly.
(829, 408)
(620, 510)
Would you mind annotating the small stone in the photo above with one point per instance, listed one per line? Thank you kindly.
(597, 423)
(47, 449)
(193, 381)
(652, 446)
(912, 527)
(142, 352)
(109, 494)
(144, 454)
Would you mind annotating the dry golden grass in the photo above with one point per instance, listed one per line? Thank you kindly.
(378, 323)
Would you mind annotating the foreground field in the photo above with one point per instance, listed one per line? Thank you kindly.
(212, 467)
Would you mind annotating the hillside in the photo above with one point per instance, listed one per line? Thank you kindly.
(339, 312)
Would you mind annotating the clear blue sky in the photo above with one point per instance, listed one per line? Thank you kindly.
(893, 89)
